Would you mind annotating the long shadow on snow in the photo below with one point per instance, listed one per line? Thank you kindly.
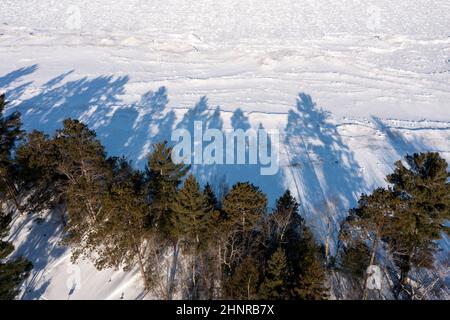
(124, 129)
(7, 80)
(40, 247)
(324, 171)
(222, 176)
(133, 129)
(90, 100)
(16, 75)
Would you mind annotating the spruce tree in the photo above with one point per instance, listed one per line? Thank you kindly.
(211, 198)
(164, 176)
(243, 283)
(312, 274)
(287, 228)
(192, 214)
(191, 222)
(275, 285)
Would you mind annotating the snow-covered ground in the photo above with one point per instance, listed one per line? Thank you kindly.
(351, 85)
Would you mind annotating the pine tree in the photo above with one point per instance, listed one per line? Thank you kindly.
(244, 206)
(82, 161)
(120, 236)
(12, 272)
(311, 284)
(37, 159)
(275, 285)
(10, 134)
(355, 259)
(373, 217)
(425, 192)
(5, 247)
(164, 176)
(243, 211)
(312, 275)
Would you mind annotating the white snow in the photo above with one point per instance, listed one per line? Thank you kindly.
(378, 74)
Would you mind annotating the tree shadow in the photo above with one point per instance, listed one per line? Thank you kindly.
(324, 171)
(130, 129)
(133, 129)
(124, 129)
(11, 78)
(8, 79)
(402, 145)
(40, 246)
(221, 176)
(90, 100)
(394, 138)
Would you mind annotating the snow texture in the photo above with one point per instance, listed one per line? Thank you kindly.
(351, 85)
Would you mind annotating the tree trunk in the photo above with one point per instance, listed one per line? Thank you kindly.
(137, 250)
(173, 270)
(371, 261)
(12, 192)
(142, 271)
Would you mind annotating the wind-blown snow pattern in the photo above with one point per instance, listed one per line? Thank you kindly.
(351, 85)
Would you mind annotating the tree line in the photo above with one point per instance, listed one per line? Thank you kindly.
(186, 242)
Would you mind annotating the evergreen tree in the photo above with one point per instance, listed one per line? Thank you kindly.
(37, 159)
(244, 282)
(312, 274)
(12, 272)
(191, 214)
(244, 209)
(82, 161)
(210, 258)
(164, 176)
(211, 198)
(120, 235)
(10, 134)
(287, 229)
(191, 221)
(355, 259)
(373, 218)
(287, 220)
(5, 247)
(425, 192)
(244, 206)
(275, 285)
